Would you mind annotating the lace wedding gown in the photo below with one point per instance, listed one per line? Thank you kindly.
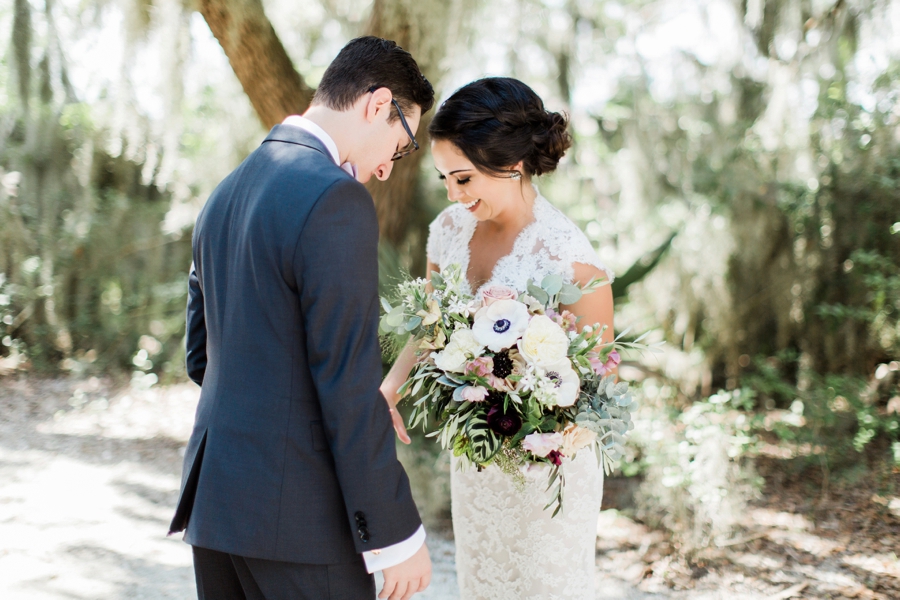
(507, 546)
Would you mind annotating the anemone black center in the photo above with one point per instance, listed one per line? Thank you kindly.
(501, 325)
(555, 378)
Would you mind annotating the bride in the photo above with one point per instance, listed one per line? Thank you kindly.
(489, 140)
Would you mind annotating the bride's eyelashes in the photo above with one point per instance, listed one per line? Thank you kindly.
(459, 181)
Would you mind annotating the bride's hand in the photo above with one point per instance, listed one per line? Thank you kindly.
(399, 426)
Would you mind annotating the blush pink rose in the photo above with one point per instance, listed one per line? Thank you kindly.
(474, 393)
(542, 444)
(498, 292)
(482, 366)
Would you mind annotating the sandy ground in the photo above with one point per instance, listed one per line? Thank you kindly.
(89, 479)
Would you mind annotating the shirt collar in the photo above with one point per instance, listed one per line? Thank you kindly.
(322, 135)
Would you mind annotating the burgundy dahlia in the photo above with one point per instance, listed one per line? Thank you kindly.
(505, 423)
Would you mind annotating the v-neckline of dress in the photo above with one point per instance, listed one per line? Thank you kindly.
(538, 199)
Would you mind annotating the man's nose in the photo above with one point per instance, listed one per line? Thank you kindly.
(384, 171)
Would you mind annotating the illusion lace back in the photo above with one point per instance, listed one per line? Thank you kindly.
(507, 546)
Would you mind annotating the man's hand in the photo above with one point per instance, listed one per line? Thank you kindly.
(399, 426)
(409, 577)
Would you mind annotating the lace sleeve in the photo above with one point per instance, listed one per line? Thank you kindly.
(583, 252)
(433, 245)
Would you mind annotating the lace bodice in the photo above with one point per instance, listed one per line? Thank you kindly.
(507, 546)
(550, 244)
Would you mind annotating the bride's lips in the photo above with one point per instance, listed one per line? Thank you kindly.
(471, 206)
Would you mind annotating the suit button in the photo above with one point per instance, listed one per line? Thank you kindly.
(364, 534)
(359, 516)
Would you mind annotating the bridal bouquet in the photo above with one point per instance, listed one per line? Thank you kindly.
(510, 380)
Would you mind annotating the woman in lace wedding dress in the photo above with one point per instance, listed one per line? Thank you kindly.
(488, 140)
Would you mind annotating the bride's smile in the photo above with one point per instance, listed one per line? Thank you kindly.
(499, 198)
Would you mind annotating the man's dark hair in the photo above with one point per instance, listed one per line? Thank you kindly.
(372, 62)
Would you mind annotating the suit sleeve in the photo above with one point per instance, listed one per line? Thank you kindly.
(336, 268)
(195, 351)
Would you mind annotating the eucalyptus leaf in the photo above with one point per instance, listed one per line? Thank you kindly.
(538, 294)
(395, 317)
(570, 294)
(552, 284)
(413, 323)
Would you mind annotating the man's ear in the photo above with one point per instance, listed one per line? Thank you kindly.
(379, 104)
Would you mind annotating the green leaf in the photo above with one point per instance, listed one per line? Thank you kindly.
(395, 317)
(552, 284)
(538, 294)
(570, 294)
(483, 442)
(413, 323)
(436, 279)
(386, 305)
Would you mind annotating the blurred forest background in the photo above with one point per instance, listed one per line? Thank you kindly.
(737, 162)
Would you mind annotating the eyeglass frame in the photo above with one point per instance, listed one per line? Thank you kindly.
(413, 145)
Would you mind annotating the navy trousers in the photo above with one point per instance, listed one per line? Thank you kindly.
(222, 576)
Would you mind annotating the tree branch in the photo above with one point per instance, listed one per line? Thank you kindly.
(258, 58)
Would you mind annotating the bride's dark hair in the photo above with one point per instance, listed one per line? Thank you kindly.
(497, 122)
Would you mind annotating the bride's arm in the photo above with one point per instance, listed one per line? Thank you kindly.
(397, 376)
(596, 307)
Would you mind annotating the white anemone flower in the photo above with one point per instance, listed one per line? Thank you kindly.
(562, 381)
(501, 324)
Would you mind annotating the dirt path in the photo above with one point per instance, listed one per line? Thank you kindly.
(89, 477)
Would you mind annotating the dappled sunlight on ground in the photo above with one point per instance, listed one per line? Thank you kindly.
(89, 477)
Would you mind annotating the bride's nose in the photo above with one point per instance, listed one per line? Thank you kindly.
(455, 193)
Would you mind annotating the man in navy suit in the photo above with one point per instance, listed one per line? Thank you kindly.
(291, 486)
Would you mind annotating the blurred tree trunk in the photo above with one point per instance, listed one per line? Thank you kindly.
(422, 27)
(276, 90)
(259, 60)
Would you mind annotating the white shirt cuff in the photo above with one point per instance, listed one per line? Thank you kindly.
(383, 558)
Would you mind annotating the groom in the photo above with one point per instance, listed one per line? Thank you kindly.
(291, 486)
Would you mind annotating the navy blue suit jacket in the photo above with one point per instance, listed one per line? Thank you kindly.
(292, 456)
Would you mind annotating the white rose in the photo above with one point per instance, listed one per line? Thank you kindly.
(459, 349)
(544, 342)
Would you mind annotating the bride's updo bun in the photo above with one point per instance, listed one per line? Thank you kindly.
(497, 122)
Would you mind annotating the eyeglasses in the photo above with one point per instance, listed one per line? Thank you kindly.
(413, 144)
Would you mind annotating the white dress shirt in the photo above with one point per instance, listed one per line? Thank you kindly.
(382, 558)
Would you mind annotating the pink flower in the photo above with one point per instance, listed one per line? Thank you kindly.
(603, 368)
(568, 320)
(498, 292)
(565, 320)
(542, 444)
(474, 393)
(482, 366)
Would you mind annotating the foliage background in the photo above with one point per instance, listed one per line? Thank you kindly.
(736, 162)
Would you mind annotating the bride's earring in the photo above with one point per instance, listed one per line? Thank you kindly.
(515, 176)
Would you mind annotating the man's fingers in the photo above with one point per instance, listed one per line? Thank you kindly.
(400, 590)
(388, 588)
(414, 587)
